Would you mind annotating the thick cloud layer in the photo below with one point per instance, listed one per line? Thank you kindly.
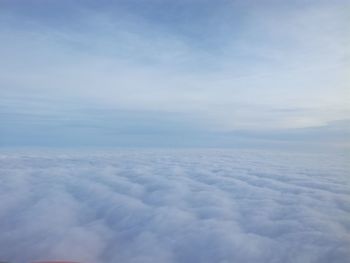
(174, 206)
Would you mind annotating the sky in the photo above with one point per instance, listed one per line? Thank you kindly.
(192, 73)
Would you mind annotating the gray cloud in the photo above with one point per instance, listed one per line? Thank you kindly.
(174, 206)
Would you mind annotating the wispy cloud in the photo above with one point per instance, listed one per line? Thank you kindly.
(230, 66)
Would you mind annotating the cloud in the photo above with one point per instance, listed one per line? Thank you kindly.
(174, 206)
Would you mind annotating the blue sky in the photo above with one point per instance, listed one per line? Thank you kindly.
(173, 73)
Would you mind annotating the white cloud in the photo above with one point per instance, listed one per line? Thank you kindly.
(174, 206)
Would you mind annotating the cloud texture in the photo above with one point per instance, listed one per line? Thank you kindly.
(174, 206)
